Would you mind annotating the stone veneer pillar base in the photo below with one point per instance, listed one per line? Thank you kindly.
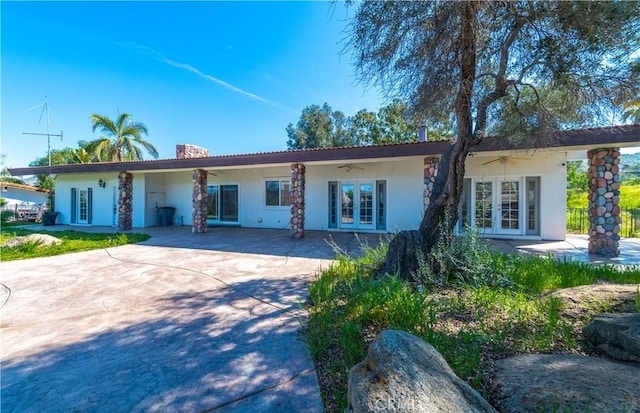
(604, 199)
(125, 201)
(430, 173)
(297, 200)
(199, 201)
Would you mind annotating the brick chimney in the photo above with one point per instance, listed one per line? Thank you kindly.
(185, 151)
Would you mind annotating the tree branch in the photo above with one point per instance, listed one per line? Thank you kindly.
(500, 89)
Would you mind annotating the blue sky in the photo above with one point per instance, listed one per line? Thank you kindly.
(227, 76)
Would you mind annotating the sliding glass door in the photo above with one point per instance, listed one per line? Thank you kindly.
(222, 204)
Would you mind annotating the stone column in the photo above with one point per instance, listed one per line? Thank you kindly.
(199, 201)
(125, 201)
(297, 200)
(430, 173)
(604, 197)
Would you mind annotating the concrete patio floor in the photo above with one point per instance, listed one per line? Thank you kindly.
(575, 248)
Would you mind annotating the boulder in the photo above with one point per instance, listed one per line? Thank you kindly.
(404, 373)
(615, 335)
(43, 240)
(615, 297)
(545, 382)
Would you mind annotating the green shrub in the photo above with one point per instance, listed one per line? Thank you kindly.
(457, 261)
(5, 216)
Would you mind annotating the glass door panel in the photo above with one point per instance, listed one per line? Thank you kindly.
(366, 204)
(229, 203)
(83, 206)
(213, 211)
(484, 205)
(347, 207)
(510, 206)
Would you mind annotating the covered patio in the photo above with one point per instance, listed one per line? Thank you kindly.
(322, 244)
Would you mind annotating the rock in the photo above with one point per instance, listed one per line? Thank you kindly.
(615, 335)
(43, 240)
(612, 297)
(543, 382)
(403, 373)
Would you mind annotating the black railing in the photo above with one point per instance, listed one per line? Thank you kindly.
(578, 221)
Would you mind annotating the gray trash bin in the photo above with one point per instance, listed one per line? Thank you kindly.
(49, 218)
(165, 216)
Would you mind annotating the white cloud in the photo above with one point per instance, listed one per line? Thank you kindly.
(206, 76)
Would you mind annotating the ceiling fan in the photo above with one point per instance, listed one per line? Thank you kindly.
(350, 166)
(506, 159)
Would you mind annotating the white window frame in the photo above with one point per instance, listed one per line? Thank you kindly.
(282, 184)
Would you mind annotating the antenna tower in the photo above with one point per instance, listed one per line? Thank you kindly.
(45, 109)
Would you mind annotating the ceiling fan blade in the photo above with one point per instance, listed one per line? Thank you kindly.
(495, 160)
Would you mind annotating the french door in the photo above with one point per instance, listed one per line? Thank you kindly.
(81, 205)
(357, 205)
(497, 205)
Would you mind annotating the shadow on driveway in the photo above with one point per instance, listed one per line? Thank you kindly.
(175, 362)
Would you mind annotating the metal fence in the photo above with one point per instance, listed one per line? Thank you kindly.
(578, 221)
(23, 212)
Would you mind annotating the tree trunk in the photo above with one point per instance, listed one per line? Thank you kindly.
(442, 213)
(440, 217)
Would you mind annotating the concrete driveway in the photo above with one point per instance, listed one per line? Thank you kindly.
(182, 322)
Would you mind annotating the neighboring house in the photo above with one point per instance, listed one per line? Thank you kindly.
(17, 194)
(510, 190)
(27, 202)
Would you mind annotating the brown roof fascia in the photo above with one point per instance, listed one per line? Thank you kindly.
(328, 154)
(592, 137)
(24, 187)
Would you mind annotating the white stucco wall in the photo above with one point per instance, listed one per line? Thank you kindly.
(103, 198)
(178, 191)
(404, 184)
(550, 167)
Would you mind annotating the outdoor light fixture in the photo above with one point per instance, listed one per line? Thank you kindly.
(102, 183)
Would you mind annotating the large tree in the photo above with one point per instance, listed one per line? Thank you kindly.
(122, 140)
(322, 127)
(468, 61)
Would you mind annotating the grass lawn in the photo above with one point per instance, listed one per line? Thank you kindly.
(629, 197)
(72, 241)
(471, 322)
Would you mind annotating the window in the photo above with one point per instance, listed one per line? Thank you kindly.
(277, 193)
(464, 210)
(381, 204)
(533, 206)
(333, 204)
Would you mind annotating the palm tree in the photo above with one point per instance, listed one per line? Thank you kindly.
(631, 111)
(122, 141)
